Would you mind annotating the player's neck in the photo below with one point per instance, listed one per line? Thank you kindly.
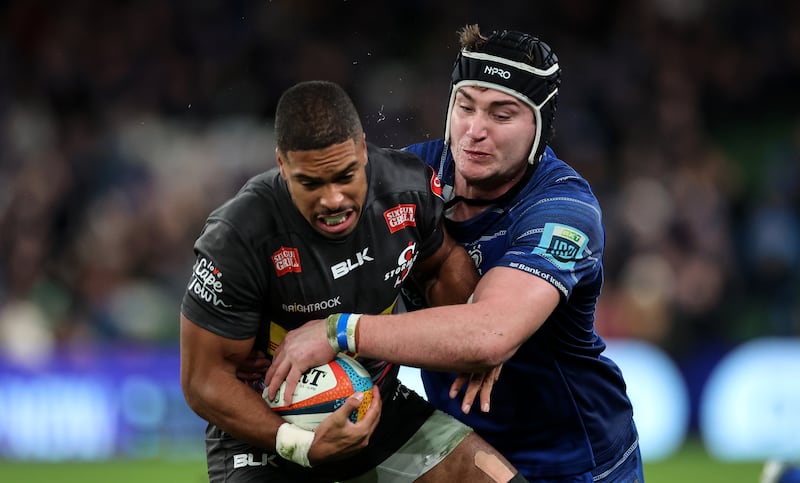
(471, 199)
(462, 211)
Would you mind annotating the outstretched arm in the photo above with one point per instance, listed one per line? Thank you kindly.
(508, 307)
(448, 276)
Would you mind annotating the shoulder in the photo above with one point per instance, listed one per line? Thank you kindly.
(555, 178)
(390, 155)
(430, 151)
(398, 170)
(259, 189)
(260, 198)
(557, 195)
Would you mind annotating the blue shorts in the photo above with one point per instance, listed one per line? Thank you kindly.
(624, 467)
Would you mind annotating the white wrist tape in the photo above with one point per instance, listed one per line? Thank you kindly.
(293, 443)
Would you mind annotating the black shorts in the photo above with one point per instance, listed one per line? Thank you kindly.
(232, 461)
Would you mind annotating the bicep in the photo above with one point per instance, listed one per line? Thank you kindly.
(522, 301)
(448, 276)
(204, 353)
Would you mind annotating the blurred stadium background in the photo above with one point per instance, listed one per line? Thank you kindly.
(122, 124)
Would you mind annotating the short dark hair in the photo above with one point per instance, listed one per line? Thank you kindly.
(314, 115)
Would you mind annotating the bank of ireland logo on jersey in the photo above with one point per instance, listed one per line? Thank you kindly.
(400, 216)
(562, 245)
(286, 260)
(206, 282)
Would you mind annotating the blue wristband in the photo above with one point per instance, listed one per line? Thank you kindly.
(341, 331)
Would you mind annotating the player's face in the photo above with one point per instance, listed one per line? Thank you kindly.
(491, 134)
(329, 185)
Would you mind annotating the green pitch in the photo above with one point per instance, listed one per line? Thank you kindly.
(116, 471)
(691, 465)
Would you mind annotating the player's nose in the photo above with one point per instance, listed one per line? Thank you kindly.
(331, 197)
(477, 127)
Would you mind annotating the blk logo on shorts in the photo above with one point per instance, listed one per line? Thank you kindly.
(248, 459)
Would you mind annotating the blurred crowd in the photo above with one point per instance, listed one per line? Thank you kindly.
(122, 124)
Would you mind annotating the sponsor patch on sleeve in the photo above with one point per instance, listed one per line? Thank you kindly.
(286, 260)
(436, 185)
(206, 282)
(400, 216)
(562, 245)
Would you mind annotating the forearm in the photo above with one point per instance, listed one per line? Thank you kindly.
(457, 338)
(509, 307)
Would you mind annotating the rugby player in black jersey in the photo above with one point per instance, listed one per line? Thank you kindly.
(337, 227)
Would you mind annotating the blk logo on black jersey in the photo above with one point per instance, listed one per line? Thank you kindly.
(343, 268)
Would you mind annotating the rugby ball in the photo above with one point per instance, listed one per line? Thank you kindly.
(322, 390)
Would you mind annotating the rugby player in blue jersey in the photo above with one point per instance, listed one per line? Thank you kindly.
(559, 409)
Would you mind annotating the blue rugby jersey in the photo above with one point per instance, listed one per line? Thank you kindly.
(560, 407)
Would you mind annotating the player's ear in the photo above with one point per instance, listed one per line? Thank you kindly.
(361, 143)
(280, 160)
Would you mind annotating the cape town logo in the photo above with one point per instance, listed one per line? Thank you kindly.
(206, 282)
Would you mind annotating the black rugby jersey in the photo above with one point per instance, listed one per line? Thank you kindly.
(262, 270)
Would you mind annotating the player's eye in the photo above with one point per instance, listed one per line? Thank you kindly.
(346, 178)
(310, 185)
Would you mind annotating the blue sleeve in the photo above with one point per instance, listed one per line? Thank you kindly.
(559, 238)
(430, 152)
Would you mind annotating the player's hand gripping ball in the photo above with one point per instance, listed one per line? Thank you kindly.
(322, 390)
